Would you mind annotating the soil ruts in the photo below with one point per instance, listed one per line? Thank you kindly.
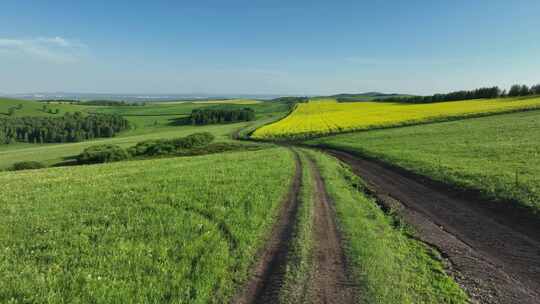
(331, 281)
(268, 273)
(496, 260)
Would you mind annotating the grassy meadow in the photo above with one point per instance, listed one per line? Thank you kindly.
(497, 155)
(327, 116)
(151, 121)
(180, 230)
(35, 108)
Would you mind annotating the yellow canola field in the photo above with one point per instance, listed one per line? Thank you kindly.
(327, 116)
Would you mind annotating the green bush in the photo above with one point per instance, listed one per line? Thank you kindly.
(26, 165)
(171, 147)
(102, 154)
(195, 140)
(143, 147)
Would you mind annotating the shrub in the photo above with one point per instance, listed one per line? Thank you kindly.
(26, 165)
(195, 140)
(143, 147)
(102, 154)
(171, 147)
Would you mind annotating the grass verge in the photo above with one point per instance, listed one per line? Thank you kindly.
(298, 270)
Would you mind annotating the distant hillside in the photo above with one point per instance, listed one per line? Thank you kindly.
(369, 96)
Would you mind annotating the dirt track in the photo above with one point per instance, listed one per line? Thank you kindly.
(331, 281)
(496, 259)
(267, 277)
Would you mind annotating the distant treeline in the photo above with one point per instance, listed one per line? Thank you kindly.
(213, 116)
(490, 92)
(68, 128)
(292, 99)
(109, 103)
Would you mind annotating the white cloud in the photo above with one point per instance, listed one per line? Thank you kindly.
(55, 49)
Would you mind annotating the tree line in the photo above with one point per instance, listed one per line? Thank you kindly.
(480, 93)
(213, 116)
(67, 128)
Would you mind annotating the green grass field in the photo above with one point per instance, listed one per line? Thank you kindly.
(180, 230)
(35, 108)
(152, 121)
(51, 154)
(497, 155)
(389, 266)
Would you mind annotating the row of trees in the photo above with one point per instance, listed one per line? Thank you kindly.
(213, 116)
(489, 92)
(68, 128)
(523, 90)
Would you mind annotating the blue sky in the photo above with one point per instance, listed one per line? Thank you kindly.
(267, 47)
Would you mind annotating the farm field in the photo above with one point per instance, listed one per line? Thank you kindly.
(51, 154)
(138, 231)
(230, 101)
(497, 155)
(326, 116)
(35, 108)
(148, 122)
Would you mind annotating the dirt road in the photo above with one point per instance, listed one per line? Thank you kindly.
(496, 259)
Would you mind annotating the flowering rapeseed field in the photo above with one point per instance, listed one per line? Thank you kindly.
(327, 116)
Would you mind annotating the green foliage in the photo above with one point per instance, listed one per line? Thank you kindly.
(523, 90)
(367, 96)
(102, 154)
(27, 165)
(181, 230)
(68, 128)
(494, 155)
(213, 116)
(493, 92)
(171, 146)
(389, 266)
(291, 99)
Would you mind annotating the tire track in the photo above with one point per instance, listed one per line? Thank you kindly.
(331, 281)
(268, 273)
(493, 260)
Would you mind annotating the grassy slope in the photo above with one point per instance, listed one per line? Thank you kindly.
(180, 230)
(35, 108)
(148, 122)
(497, 155)
(389, 266)
(54, 153)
